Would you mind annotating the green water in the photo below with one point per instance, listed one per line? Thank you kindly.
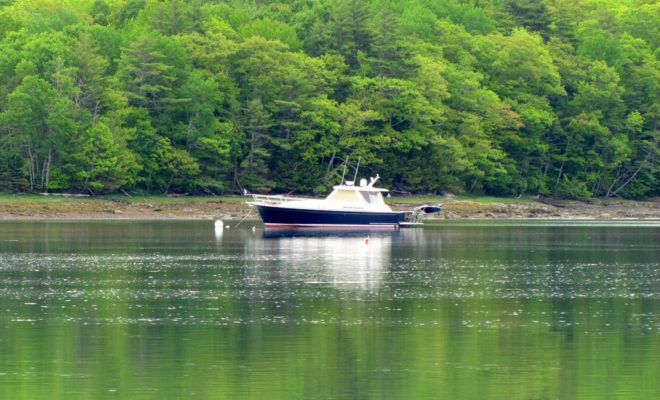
(172, 310)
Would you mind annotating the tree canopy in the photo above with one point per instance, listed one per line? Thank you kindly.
(502, 97)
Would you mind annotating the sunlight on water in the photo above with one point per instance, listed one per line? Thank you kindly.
(449, 310)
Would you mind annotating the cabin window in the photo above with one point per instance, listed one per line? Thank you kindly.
(372, 197)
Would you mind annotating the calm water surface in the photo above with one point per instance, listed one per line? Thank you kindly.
(167, 310)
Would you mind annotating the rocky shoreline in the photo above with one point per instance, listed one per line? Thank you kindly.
(100, 208)
(554, 209)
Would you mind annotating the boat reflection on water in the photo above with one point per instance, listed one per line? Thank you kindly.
(344, 259)
(328, 233)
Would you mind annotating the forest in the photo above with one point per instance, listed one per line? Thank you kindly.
(497, 97)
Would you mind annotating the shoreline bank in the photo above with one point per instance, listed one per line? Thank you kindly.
(48, 208)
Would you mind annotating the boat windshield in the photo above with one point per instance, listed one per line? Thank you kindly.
(343, 196)
(373, 197)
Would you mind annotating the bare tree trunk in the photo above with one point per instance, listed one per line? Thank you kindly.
(31, 169)
(614, 193)
(561, 167)
(474, 185)
(86, 184)
(596, 185)
(43, 174)
(237, 183)
(561, 170)
(618, 176)
(45, 170)
(49, 159)
(97, 111)
(252, 139)
(639, 168)
(330, 164)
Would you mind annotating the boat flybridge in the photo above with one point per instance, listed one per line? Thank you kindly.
(347, 206)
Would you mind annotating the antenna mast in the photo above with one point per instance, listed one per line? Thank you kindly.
(343, 173)
(357, 168)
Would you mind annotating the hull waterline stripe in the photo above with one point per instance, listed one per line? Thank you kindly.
(334, 226)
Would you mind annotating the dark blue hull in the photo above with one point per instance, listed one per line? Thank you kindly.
(283, 217)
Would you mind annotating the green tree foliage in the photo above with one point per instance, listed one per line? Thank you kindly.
(391, 55)
(553, 97)
(40, 123)
(100, 12)
(147, 75)
(531, 14)
(348, 30)
(103, 162)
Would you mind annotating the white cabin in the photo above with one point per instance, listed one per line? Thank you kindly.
(364, 196)
(346, 197)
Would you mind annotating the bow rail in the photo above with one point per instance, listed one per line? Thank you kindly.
(272, 199)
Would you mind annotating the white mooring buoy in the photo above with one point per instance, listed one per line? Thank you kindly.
(219, 226)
